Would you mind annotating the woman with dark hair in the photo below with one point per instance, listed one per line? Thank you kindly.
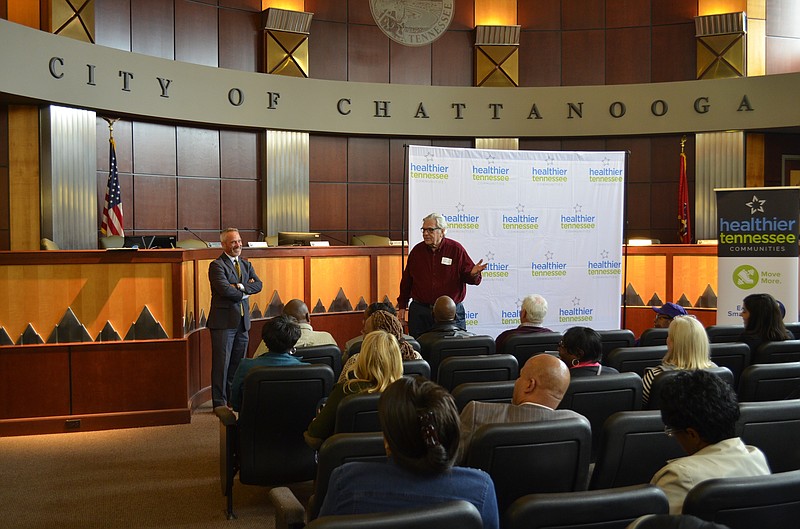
(581, 349)
(762, 322)
(421, 432)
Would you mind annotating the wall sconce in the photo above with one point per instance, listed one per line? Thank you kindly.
(286, 42)
(497, 55)
(721, 45)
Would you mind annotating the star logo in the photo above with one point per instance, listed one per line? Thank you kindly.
(755, 205)
(548, 255)
(429, 157)
(490, 159)
(460, 207)
(576, 302)
(606, 162)
(578, 208)
(490, 256)
(520, 208)
(518, 303)
(550, 161)
(604, 254)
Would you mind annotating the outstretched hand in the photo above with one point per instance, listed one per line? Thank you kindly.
(479, 267)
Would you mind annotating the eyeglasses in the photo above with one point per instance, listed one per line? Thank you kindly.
(670, 431)
(429, 230)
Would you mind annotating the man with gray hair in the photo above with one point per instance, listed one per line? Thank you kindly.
(531, 316)
(436, 267)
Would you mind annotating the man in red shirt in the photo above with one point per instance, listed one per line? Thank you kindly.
(436, 267)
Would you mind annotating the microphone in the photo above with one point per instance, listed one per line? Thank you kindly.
(196, 235)
(260, 235)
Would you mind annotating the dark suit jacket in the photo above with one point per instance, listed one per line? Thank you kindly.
(225, 299)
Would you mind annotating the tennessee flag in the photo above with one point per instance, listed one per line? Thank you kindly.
(112, 210)
(685, 225)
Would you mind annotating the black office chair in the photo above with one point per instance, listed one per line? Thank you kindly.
(633, 447)
(458, 346)
(329, 355)
(777, 352)
(724, 333)
(417, 367)
(744, 503)
(265, 444)
(635, 359)
(358, 413)
(773, 427)
(733, 355)
(614, 338)
(524, 346)
(483, 391)
(653, 336)
(456, 370)
(458, 514)
(525, 458)
(654, 402)
(794, 328)
(760, 382)
(594, 509)
(597, 398)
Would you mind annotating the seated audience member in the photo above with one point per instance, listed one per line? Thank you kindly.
(298, 310)
(762, 322)
(664, 315)
(700, 411)
(687, 348)
(280, 334)
(444, 326)
(369, 311)
(581, 349)
(382, 321)
(377, 365)
(541, 385)
(531, 316)
(421, 434)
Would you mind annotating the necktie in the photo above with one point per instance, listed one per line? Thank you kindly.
(239, 275)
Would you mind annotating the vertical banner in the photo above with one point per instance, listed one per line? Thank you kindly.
(757, 248)
(546, 223)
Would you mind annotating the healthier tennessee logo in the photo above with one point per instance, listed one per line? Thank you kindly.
(575, 314)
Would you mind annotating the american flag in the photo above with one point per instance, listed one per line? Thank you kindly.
(112, 211)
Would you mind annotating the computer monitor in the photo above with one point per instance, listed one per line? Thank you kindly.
(149, 242)
(297, 238)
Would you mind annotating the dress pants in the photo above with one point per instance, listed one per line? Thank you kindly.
(228, 347)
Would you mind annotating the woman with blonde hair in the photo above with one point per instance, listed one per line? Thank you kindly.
(377, 365)
(687, 349)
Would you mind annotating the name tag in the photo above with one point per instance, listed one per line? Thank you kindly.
(447, 261)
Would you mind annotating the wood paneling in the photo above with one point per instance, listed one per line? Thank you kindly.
(627, 13)
(367, 54)
(327, 158)
(463, 15)
(196, 37)
(246, 5)
(674, 12)
(452, 59)
(198, 203)
(754, 158)
(397, 156)
(23, 177)
(582, 14)
(368, 206)
(328, 279)
(674, 53)
(239, 34)
(198, 152)
(34, 381)
(410, 64)
(154, 149)
(583, 57)
(24, 12)
(155, 197)
(123, 140)
(628, 55)
(153, 28)
(240, 200)
(358, 12)
(112, 24)
(536, 52)
(329, 206)
(239, 155)
(327, 10)
(327, 51)
(638, 159)
(398, 208)
(637, 214)
(540, 15)
(4, 221)
(368, 160)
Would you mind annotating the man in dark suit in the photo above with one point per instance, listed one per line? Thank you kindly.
(232, 280)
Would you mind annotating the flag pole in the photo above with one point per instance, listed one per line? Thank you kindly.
(112, 222)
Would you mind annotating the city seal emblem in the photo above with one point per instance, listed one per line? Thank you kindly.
(412, 22)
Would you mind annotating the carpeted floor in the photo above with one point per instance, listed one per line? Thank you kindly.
(165, 476)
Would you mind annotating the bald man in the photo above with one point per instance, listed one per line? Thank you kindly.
(308, 336)
(444, 326)
(538, 391)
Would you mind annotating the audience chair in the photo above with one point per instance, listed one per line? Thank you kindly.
(501, 391)
(458, 514)
(597, 398)
(724, 333)
(526, 458)
(653, 336)
(524, 346)
(633, 447)
(594, 509)
(616, 338)
(457, 370)
(265, 444)
(417, 367)
(370, 240)
(112, 241)
(733, 355)
(777, 352)
(330, 355)
(760, 382)
(48, 244)
(794, 328)
(774, 427)
(455, 346)
(635, 359)
(271, 240)
(744, 503)
(191, 244)
(655, 389)
(358, 413)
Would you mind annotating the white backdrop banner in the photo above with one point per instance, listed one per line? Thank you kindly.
(547, 223)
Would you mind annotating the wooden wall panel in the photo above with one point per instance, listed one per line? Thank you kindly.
(198, 152)
(239, 37)
(34, 381)
(358, 12)
(154, 149)
(23, 177)
(153, 28)
(397, 157)
(674, 53)
(674, 12)
(287, 275)
(463, 15)
(246, 5)
(329, 206)
(112, 23)
(534, 67)
(410, 65)
(398, 211)
(390, 270)
(5, 234)
(627, 55)
(627, 13)
(368, 160)
(198, 204)
(156, 199)
(453, 58)
(327, 158)
(196, 33)
(239, 207)
(539, 15)
(582, 14)
(638, 159)
(327, 10)
(328, 279)
(583, 57)
(637, 214)
(239, 154)
(368, 207)
(367, 54)
(327, 51)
